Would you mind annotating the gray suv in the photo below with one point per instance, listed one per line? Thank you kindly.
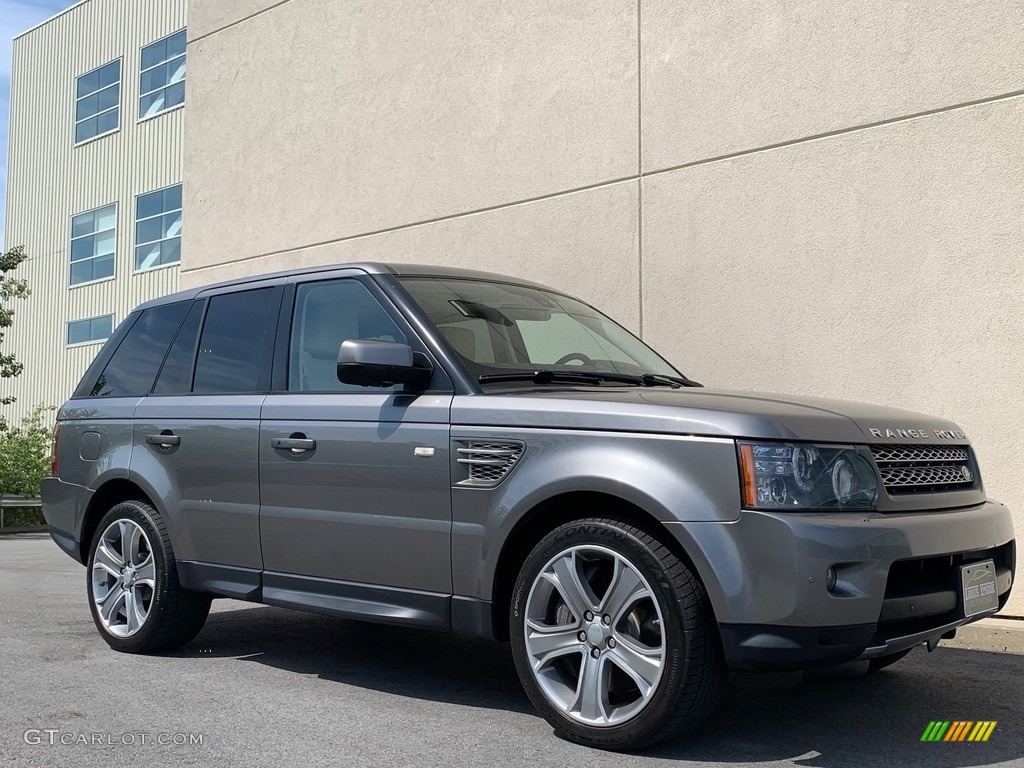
(469, 452)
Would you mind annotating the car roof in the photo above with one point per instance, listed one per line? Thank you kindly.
(368, 267)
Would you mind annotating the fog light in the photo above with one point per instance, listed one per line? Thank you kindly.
(830, 579)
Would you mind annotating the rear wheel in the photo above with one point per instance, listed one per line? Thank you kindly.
(137, 603)
(613, 637)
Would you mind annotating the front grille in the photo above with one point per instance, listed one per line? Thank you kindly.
(488, 463)
(924, 468)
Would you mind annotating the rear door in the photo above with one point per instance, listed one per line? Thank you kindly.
(196, 437)
(357, 521)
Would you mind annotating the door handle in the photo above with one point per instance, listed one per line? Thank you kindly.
(167, 439)
(294, 444)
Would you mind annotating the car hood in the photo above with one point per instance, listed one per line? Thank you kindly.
(700, 411)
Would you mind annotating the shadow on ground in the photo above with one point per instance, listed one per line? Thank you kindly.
(839, 719)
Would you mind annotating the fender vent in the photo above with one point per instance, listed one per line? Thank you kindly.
(487, 463)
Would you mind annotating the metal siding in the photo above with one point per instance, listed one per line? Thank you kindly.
(49, 180)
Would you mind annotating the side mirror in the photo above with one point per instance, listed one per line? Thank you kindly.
(381, 364)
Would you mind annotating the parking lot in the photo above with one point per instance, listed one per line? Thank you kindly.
(265, 686)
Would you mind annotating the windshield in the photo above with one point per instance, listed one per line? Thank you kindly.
(498, 328)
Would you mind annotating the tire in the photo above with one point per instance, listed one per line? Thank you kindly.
(884, 661)
(141, 608)
(659, 669)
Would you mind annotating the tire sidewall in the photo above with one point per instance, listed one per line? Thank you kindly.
(610, 536)
(143, 515)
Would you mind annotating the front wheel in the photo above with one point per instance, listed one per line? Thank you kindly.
(137, 603)
(613, 636)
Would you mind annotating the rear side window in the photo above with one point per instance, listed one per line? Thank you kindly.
(176, 375)
(133, 367)
(234, 345)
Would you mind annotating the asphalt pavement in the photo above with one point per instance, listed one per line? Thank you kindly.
(268, 687)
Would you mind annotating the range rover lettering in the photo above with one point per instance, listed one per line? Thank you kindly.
(483, 455)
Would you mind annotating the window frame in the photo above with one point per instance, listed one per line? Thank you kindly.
(76, 98)
(138, 103)
(67, 331)
(135, 229)
(72, 238)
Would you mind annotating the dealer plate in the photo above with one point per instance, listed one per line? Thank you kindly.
(979, 585)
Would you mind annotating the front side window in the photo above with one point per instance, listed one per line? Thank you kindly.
(98, 102)
(326, 314)
(162, 75)
(158, 228)
(134, 365)
(234, 342)
(90, 330)
(93, 242)
(500, 328)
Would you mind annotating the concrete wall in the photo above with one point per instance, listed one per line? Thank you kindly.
(806, 197)
(50, 179)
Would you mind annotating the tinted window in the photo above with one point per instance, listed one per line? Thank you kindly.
(133, 367)
(326, 314)
(176, 375)
(234, 342)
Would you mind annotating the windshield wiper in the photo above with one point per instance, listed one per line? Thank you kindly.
(547, 376)
(653, 379)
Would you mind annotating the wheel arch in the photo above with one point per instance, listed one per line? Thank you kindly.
(105, 497)
(552, 512)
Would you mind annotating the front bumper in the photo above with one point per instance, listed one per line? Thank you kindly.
(897, 580)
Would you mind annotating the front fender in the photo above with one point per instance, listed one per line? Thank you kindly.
(672, 478)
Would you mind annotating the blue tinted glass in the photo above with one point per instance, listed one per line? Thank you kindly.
(174, 94)
(153, 79)
(154, 54)
(85, 130)
(148, 230)
(172, 197)
(103, 266)
(148, 205)
(82, 248)
(110, 73)
(107, 121)
(83, 224)
(81, 272)
(170, 251)
(86, 107)
(176, 44)
(88, 83)
(102, 327)
(108, 97)
(78, 332)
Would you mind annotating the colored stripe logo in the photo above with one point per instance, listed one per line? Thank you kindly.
(959, 730)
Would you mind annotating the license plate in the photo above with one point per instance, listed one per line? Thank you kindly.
(979, 584)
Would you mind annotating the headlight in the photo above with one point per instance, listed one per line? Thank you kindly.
(805, 476)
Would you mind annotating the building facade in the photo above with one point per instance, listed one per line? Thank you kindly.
(816, 197)
(94, 182)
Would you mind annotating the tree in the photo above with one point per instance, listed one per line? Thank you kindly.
(25, 453)
(10, 288)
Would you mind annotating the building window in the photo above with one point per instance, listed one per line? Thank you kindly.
(98, 102)
(91, 330)
(162, 77)
(158, 228)
(93, 242)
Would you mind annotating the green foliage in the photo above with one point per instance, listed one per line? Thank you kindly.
(10, 289)
(25, 453)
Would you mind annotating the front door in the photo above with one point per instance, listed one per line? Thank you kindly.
(355, 513)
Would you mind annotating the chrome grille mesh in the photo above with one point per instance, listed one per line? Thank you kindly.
(489, 462)
(923, 468)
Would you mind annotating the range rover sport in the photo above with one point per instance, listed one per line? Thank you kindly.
(478, 454)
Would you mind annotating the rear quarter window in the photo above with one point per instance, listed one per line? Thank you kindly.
(134, 364)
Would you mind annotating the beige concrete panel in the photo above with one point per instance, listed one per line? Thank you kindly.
(206, 16)
(319, 120)
(584, 243)
(884, 265)
(722, 77)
